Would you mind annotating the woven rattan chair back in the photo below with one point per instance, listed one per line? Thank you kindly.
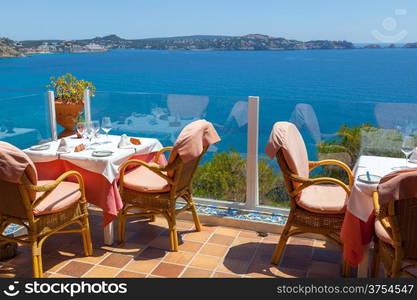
(183, 173)
(290, 185)
(15, 200)
(406, 218)
(402, 218)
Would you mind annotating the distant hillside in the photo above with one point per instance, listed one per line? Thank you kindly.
(247, 42)
(410, 45)
(8, 48)
(201, 42)
(194, 42)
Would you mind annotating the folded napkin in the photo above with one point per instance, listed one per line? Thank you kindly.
(124, 142)
(135, 141)
(79, 148)
(63, 146)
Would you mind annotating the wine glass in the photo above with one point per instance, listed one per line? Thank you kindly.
(89, 132)
(81, 128)
(106, 126)
(407, 147)
(95, 127)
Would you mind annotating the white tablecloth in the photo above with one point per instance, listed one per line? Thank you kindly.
(360, 202)
(107, 166)
(148, 124)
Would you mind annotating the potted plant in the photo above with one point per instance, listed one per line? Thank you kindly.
(69, 101)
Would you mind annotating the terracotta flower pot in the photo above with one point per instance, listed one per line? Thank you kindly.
(66, 116)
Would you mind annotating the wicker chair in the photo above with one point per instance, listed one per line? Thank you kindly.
(43, 208)
(305, 215)
(153, 189)
(395, 228)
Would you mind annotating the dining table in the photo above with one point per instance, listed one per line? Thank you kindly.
(98, 164)
(164, 126)
(358, 225)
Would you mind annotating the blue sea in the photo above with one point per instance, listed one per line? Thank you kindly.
(326, 88)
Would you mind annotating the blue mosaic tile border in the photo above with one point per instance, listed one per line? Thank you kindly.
(215, 211)
(238, 214)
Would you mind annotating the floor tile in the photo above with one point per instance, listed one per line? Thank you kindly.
(201, 236)
(128, 274)
(205, 262)
(221, 239)
(298, 263)
(233, 266)
(196, 273)
(101, 272)
(116, 260)
(227, 231)
(181, 258)
(168, 270)
(142, 265)
(214, 250)
(153, 253)
(75, 269)
(332, 256)
(98, 255)
(324, 269)
(190, 246)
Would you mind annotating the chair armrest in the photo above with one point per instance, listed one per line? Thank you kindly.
(314, 164)
(158, 154)
(157, 169)
(48, 188)
(375, 201)
(306, 182)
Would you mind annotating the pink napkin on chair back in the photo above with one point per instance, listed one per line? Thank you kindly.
(193, 138)
(398, 185)
(14, 162)
(285, 136)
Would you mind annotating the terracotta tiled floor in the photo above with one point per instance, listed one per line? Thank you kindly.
(214, 252)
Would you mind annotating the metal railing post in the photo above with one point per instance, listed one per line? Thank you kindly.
(52, 115)
(252, 185)
(87, 106)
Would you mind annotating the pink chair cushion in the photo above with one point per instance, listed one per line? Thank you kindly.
(324, 199)
(65, 195)
(285, 136)
(382, 234)
(144, 180)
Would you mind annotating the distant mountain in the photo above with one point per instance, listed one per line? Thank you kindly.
(246, 42)
(191, 37)
(410, 45)
(202, 42)
(194, 42)
(373, 46)
(8, 48)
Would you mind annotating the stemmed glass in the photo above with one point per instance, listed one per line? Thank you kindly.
(81, 128)
(106, 126)
(95, 127)
(408, 147)
(89, 132)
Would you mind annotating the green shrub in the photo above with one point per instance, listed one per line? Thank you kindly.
(224, 178)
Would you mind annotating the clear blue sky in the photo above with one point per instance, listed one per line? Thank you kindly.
(353, 20)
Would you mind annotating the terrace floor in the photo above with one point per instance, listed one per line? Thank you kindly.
(216, 251)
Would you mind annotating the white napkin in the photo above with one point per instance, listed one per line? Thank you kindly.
(63, 146)
(124, 142)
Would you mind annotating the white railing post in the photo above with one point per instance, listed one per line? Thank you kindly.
(52, 115)
(252, 193)
(87, 106)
